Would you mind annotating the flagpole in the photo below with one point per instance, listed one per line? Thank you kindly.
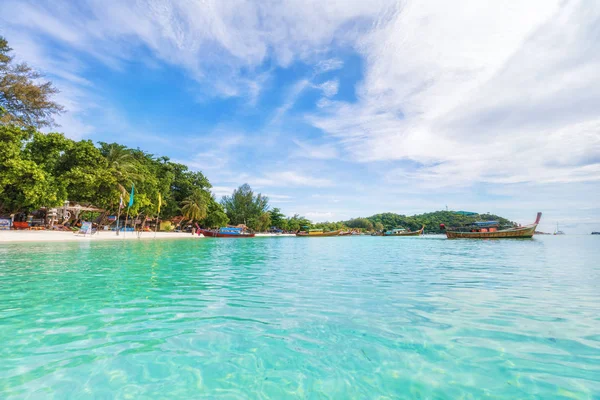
(118, 218)
(158, 214)
(126, 219)
(128, 207)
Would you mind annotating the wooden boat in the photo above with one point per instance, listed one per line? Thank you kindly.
(317, 233)
(404, 232)
(490, 230)
(226, 232)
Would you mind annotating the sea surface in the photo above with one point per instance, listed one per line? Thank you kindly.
(305, 318)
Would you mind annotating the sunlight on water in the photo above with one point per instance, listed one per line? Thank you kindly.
(342, 318)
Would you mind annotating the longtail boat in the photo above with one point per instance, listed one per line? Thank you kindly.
(317, 233)
(226, 232)
(404, 232)
(491, 230)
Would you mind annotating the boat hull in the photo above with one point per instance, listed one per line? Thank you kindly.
(318, 234)
(525, 232)
(208, 233)
(522, 232)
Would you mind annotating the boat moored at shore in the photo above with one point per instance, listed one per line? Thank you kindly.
(317, 233)
(404, 232)
(226, 232)
(491, 230)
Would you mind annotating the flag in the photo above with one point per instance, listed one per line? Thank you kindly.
(121, 204)
(159, 202)
(131, 197)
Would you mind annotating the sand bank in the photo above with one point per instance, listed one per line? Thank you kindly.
(55, 236)
(275, 235)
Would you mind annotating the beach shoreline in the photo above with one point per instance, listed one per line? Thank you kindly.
(58, 236)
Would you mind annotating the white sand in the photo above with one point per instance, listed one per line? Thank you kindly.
(274, 235)
(56, 236)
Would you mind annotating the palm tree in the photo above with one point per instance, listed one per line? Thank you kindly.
(194, 207)
(122, 164)
(120, 160)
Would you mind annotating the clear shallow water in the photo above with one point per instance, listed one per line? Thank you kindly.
(343, 318)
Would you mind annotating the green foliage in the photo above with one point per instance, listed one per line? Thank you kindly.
(244, 207)
(432, 220)
(43, 170)
(262, 223)
(360, 223)
(297, 223)
(195, 207)
(216, 215)
(330, 226)
(24, 100)
(278, 219)
(23, 183)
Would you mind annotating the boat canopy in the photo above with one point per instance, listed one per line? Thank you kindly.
(231, 230)
(397, 230)
(486, 223)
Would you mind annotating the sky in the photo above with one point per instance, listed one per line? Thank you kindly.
(343, 108)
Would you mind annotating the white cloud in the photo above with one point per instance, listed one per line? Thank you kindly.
(490, 92)
(220, 191)
(290, 179)
(330, 64)
(279, 198)
(320, 216)
(214, 40)
(294, 92)
(330, 88)
(322, 152)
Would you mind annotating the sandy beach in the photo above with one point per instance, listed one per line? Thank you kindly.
(55, 236)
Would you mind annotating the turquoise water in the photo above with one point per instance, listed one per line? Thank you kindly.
(340, 318)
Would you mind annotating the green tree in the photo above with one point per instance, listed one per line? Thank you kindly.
(360, 223)
(216, 216)
(24, 99)
(24, 185)
(297, 223)
(262, 223)
(243, 206)
(195, 207)
(278, 219)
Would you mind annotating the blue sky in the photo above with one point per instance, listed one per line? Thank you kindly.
(344, 108)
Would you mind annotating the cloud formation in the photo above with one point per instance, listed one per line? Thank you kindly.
(494, 92)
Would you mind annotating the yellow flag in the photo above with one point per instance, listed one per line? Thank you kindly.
(159, 202)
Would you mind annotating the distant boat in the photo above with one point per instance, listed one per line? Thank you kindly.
(404, 232)
(318, 233)
(226, 232)
(491, 230)
(595, 233)
(558, 231)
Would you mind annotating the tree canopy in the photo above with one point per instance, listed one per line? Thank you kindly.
(25, 100)
(245, 207)
(431, 220)
(43, 170)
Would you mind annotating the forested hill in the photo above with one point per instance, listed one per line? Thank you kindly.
(431, 220)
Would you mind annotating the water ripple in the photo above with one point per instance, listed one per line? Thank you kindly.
(288, 318)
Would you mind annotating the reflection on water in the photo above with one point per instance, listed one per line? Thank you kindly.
(352, 317)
